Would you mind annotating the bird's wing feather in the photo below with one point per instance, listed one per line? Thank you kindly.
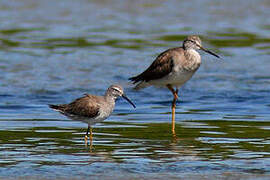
(161, 67)
(87, 106)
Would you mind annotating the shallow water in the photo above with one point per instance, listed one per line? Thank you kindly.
(53, 52)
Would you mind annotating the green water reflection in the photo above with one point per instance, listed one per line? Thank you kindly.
(119, 142)
(228, 38)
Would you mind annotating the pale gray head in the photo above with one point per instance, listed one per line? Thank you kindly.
(115, 91)
(194, 42)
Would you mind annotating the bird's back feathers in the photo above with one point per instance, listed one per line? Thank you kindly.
(86, 106)
(161, 67)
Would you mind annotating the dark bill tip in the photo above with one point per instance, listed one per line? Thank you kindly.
(128, 100)
(210, 52)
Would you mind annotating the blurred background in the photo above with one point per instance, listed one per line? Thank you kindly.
(54, 51)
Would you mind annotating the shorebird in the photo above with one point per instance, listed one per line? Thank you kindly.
(172, 68)
(92, 109)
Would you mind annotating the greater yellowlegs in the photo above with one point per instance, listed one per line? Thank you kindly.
(173, 68)
(92, 109)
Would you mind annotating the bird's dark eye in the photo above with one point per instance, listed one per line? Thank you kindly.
(194, 42)
(191, 41)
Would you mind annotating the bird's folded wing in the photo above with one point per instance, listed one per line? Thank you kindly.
(84, 106)
(161, 67)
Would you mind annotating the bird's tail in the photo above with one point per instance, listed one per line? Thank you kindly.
(141, 85)
(55, 107)
(134, 79)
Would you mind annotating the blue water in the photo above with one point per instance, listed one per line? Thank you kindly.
(53, 52)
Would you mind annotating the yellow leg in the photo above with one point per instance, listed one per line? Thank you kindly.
(85, 140)
(175, 97)
(91, 138)
(86, 136)
(173, 116)
(91, 134)
(174, 92)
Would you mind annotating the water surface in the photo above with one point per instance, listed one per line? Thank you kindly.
(53, 52)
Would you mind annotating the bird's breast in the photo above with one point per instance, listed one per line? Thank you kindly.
(192, 61)
(106, 110)
(179, 77)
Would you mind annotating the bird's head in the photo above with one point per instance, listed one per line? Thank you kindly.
(115, 91)
(194, 42)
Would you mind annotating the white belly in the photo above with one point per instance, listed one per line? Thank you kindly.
(182, 71)
(174, 78)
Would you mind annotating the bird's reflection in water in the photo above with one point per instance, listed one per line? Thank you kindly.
(173, 125)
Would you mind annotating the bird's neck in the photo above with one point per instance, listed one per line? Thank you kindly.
(110, 103)
(110, 98)
(192, 54)
(193, 59)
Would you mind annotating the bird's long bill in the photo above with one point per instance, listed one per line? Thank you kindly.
(210, 52)
(128, 100)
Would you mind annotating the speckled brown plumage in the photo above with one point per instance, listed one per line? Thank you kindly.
(86, 106)
(161, 67)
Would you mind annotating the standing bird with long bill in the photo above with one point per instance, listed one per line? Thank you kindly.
(92, 109)
(172, 68)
